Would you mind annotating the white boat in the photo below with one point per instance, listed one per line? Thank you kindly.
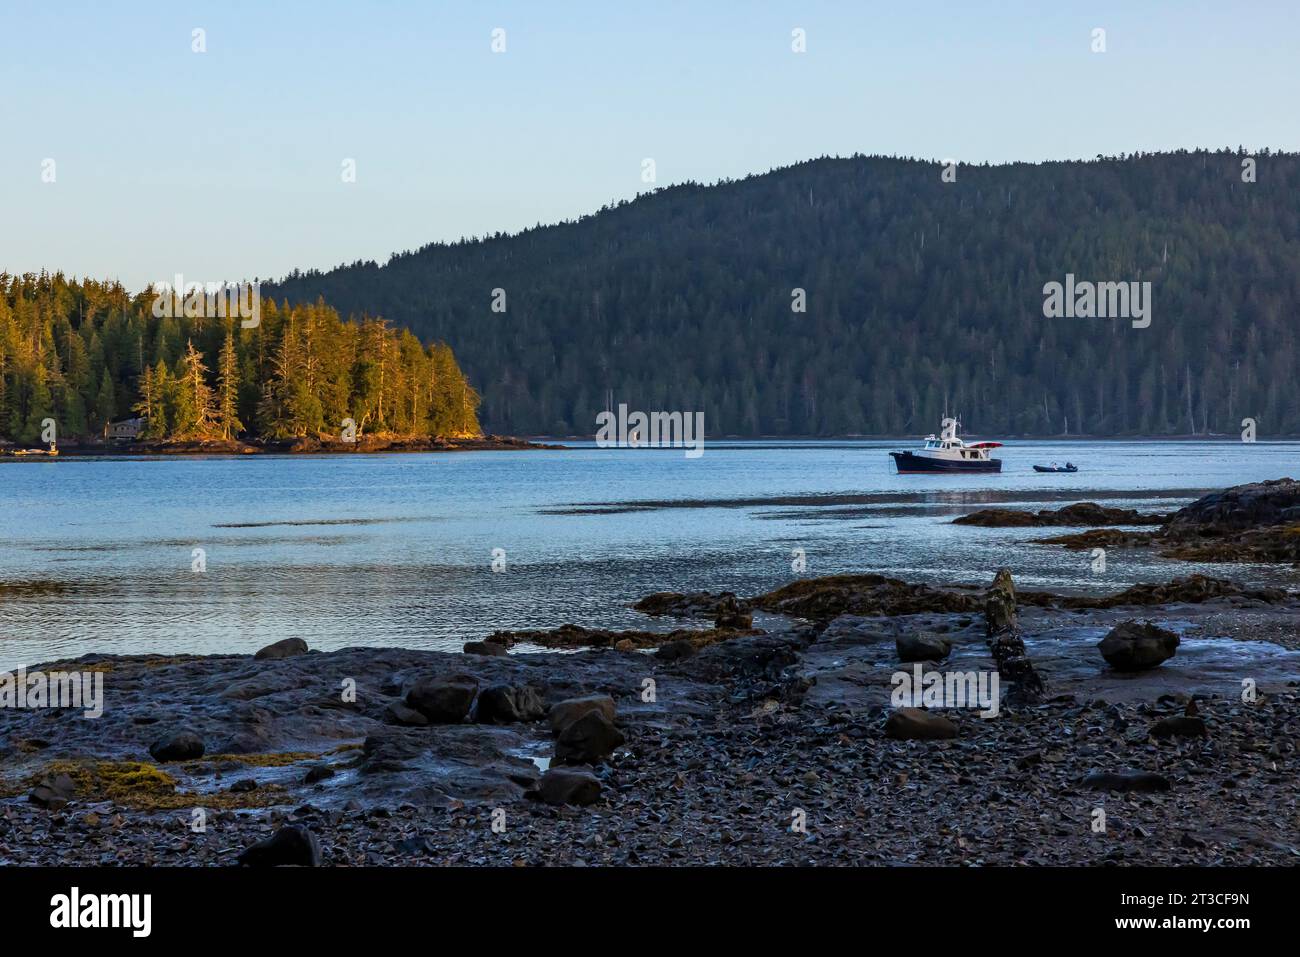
(947, 453)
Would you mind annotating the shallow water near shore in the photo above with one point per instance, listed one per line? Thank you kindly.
(97, 554)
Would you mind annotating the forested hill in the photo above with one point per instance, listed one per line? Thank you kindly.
(922, 296)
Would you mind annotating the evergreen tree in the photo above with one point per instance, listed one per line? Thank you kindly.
(228, 388)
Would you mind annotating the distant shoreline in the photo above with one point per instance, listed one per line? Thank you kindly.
(366, 445)
(371, 445)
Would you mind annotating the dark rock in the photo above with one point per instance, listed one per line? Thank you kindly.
(564, 713)
(318, 772)
(575, 786)
(489, 648)
(1238, 508)
(922, 647)
(1179, 726)
(53, 792)
(913, 724)
(588, 740)
(395, 712)
(243, 785)
(286, 648)
(1194, 589)
(182, 746)
(1088, 514)
(821, 599)
(504, 704)
(1145, 781)
(1134, 646)
(578, 636)
(675, 650)
(291, 845)
(699, 604)
(731, 613)
(445, 699)
(1005, 643)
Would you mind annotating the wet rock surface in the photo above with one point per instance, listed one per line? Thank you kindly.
(709, 767)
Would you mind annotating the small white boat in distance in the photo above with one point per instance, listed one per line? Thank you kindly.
(947, 453)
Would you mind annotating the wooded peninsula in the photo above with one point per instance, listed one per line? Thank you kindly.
(87, 354)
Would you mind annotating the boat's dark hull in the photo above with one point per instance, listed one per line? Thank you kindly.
(909, 464)
(1044, 468)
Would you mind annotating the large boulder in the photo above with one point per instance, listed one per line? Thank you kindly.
(564, 713)
(289, 846)
(569, 786)
(913, 724)
(922, 647)
(444, 699)
(504, 704)
(588, 740)
(1137, 646)
(286, 648)
(181, 746)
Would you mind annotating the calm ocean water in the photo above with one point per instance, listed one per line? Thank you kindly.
(97, 554)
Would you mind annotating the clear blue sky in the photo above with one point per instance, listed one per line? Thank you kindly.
(227, 164)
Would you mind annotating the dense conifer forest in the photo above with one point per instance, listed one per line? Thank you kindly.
(86, 353)
(922, 296)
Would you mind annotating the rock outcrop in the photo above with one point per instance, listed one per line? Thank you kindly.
(1088, 514)
(1005, 643)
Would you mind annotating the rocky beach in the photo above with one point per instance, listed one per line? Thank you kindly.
(1168, 713)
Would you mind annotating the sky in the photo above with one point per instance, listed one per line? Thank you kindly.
(229, 164)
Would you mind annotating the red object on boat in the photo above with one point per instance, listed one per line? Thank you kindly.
(985, 445)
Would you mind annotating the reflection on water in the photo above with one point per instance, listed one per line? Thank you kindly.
(377, 550)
